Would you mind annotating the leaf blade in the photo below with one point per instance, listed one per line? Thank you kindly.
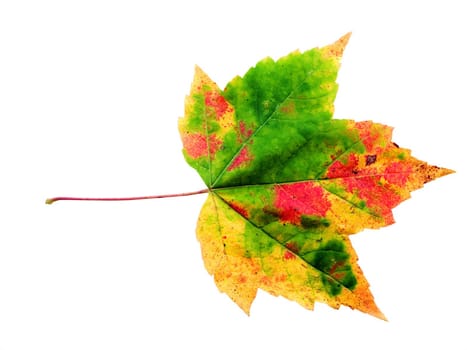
(288, 183)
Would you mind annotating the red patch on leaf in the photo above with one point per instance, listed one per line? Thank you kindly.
(245, 133)
(333, 270)
(239, 209)
(397, 173)
(289, 255)
(301, 198)
(280, 278)
(266, 281)
(217, 102)
(196, 145)
(339, 169)
(242, 158)
(367, 136)
(377, 195)
(242, 279)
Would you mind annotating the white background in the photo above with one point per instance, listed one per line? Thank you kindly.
(90, 94)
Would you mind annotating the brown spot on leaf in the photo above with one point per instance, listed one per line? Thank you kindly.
(288, 108)
(432, 172)
(370, 159)
(292, 246)
(239, 209)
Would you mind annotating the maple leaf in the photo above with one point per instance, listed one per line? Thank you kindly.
(288, 184)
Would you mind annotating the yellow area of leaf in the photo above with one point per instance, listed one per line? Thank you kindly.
(347, 219)
(202, 86)
(222, 249)
(221, 233)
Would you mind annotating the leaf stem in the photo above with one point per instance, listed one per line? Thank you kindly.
(56, 199)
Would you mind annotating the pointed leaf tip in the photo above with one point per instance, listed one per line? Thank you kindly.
(343, 40)
(337, 49)
(433, 172)
(379, 314)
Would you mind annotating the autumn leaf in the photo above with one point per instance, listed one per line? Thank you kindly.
(288, 183)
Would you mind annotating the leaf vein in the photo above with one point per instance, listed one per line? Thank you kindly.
(284, 246)
(266, 121)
